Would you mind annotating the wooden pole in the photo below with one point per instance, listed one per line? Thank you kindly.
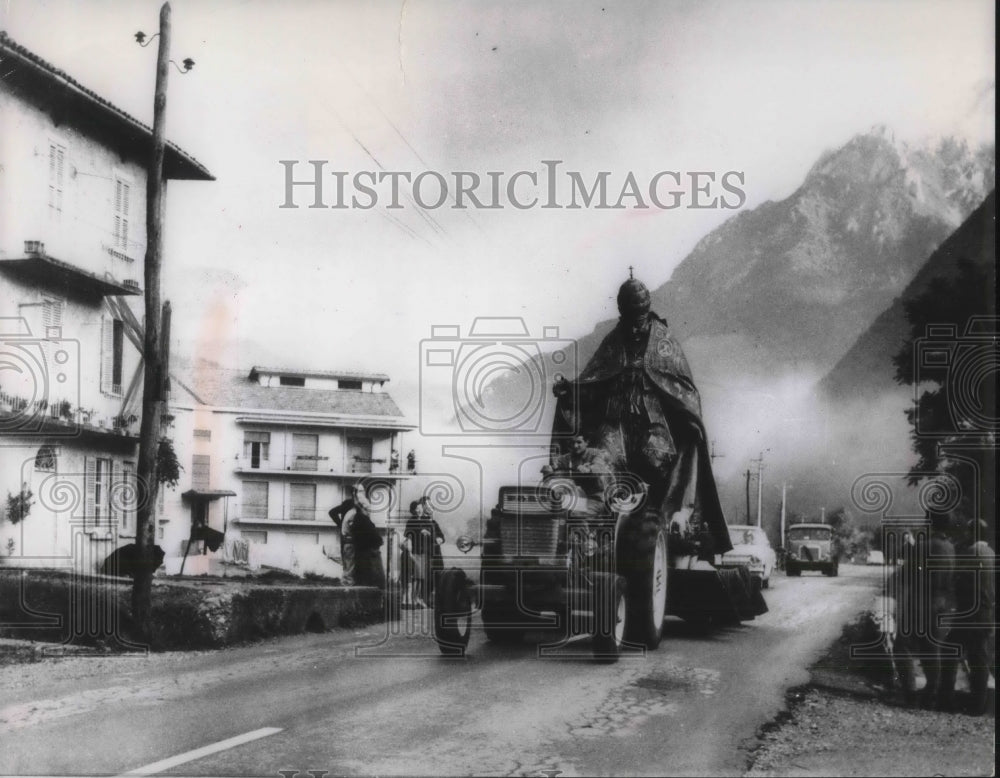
(748, 495)
(153, 376)
(760, 489)
(783, 490)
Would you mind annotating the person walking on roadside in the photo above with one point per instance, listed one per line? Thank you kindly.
(423, 537)
(360, 540)
(937, 582)
(974, 624)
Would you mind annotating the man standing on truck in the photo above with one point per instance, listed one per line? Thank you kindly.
(637, 400)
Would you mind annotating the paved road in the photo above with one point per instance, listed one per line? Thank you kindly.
(363, 703)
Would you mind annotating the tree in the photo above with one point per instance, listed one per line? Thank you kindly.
(953, 421)
(845, 539)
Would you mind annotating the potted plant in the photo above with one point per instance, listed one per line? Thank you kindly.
(19, 505)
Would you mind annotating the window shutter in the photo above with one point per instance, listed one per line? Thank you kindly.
(89, 487)
(255, 499)
(124, 243)
(200, 471)
(304, 451)
(303, 502)
(107, 355)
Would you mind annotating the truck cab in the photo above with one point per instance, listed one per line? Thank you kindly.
(810, 547)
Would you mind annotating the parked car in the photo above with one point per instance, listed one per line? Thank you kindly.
(810, 547)
(875, 558)
(751, 549)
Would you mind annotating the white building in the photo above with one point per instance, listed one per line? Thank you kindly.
(72, 242)
(267, 452)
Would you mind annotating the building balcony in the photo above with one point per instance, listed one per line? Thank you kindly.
(315, 520)
(315, 467)
(19, 417)
(51, 273)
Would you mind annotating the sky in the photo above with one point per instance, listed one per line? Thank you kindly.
(762, 88)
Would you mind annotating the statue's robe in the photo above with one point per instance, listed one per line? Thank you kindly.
(637, 401)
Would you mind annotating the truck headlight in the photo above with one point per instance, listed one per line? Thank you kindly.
(754, 560)
(465, 544)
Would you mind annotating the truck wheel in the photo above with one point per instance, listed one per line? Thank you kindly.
(452, 613)
(610, 616)
(495, 619)
(647, 587)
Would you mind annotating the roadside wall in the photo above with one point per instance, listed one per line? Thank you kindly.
(95, 610)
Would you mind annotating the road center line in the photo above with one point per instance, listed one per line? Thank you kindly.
(198, 753)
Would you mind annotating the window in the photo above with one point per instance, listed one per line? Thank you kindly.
(57, 172)
(256, 448)
(303, 502)
(200, 471)
(359, 455)
(97, 488)
(122, 191)
(305, 450)
(203, 434)
(254, 500)
(52, 309)
(45, 459)
(112, 355)
(351, 385)
(289, 380)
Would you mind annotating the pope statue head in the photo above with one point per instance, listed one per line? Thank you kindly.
(633, 305)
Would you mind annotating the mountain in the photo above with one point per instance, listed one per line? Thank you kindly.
(786, 288)
(794, 283)
(866, 369)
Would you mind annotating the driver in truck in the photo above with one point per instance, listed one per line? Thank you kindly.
(588, 469)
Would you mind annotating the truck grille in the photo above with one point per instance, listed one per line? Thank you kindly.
(522, 536)
(527, 501)
(810, 553)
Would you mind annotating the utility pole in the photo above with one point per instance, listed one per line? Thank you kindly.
(784, 486)
(760, 485)
(748, 495)
(153, 386)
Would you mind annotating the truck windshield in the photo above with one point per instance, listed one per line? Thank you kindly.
(809, 533)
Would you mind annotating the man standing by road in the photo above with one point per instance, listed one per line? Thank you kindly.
(360, 541)
(938, 582)
(975, 618)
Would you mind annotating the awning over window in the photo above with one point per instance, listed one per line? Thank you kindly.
(207, 495)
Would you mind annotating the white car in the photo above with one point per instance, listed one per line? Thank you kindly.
(751, 549)
(875, 558)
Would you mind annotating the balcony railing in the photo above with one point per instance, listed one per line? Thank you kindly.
(310, 515)
(310, 463)
(62, 413)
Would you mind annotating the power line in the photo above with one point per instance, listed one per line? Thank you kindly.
(402, 137)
